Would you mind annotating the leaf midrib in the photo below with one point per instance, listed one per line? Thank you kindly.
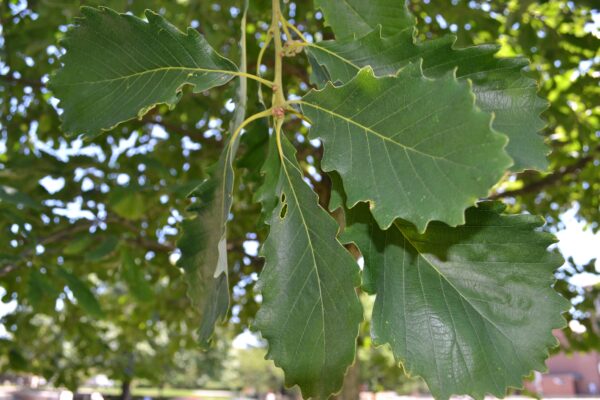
(381, 136)
(284, 159)
(153, 70)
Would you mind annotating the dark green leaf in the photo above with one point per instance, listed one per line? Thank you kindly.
(85, 297)
(355, 18)
(106, 247)
(498, 83)
(17, 198)
(310, 311)
(411, 135)
(470, 309)
(133, 275)
(118, 67)
(41, 294)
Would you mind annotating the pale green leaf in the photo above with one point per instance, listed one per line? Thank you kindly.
(82, 293)
(133, 275)
(103, 249)
(41, 294)
(128, 203)
(118, 66)
(203, 244)
(414, 147)
(310, 311)
(78, 244)
(355, 18)
(499, 83)
(470, 309)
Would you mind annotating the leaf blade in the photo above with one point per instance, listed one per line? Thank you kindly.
(476, 304)
(206, 263)
(499, 83)
(86, 299)
(122, 75)
(381, 136)
(355, 18)
(312, 327)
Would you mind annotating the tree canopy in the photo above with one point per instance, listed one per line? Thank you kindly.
(91, 226)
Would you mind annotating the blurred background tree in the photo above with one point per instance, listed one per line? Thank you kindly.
(87, 229)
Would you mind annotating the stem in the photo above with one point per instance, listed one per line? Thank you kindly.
(278, 96)
(288, 35)
(250, 119)
(251, 76)
(278, 124)
(262, 51)
(299, 115)
(261, 54)
(286, 23)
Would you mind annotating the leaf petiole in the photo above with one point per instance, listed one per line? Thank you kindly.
(249, 120)
(287, 24)
(252, 76)
(261, 54)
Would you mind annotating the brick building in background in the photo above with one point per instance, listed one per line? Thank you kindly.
(568, 375)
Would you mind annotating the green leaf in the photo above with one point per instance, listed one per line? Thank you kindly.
(41, 294)
(17, 361)
(310, 312)
(498, 83)
(78, 245)
(355, 18)
(411, 135)
(133, 275)
(118, 67)
(105, 248)
(470, 309)
(337, 198)
(19, 199)
(128, 203)
(201, 251)
(85, 297)
(203, 244)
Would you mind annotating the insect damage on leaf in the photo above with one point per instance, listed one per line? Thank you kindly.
(310, 312)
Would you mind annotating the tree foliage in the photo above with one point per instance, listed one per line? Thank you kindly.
(397, 113)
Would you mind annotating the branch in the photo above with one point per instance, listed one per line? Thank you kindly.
(550, 179)
(22, 81)
(53, 238)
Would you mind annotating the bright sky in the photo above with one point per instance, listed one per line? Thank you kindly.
(580, 243)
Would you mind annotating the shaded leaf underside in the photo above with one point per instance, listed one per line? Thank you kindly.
(204, 241)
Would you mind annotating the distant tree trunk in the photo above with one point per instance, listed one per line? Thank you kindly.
(126, 389)
(351, 387)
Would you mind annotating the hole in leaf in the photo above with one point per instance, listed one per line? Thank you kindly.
(283, 211)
